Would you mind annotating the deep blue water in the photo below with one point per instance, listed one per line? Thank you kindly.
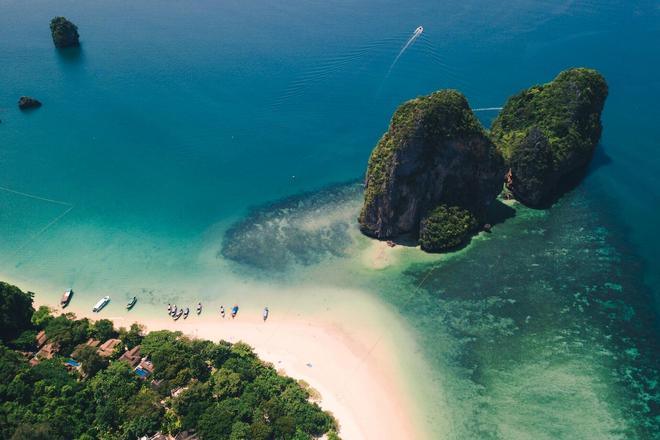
(205, 108)
(174, 117)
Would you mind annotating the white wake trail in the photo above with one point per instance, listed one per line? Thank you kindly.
(409, 43)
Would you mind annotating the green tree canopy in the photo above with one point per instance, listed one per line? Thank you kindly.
(91, 361)
(15, 311)
(103, 330)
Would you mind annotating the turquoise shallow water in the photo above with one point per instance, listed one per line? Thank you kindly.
(175, 118)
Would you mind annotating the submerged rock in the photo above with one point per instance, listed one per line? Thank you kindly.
(548, 132)
(434, 153)
(64, 33)
(26, 102)
(301, 230)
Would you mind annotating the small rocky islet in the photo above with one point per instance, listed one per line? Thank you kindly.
(27, 102)
(436, 170)
(64, 33)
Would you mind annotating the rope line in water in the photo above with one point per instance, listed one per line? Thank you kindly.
(416, 289)
(368, 352)
(487, 109)
(41, 231)
(32, 196)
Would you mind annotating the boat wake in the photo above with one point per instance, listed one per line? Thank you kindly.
(418, 32)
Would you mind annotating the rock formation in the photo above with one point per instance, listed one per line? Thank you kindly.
(26, 102)
(548, 132)
(434, 153)
(446, 227)
(64, 33)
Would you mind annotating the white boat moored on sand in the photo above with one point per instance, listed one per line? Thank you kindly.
(102, 303)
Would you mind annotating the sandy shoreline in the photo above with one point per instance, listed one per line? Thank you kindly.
(354, 364)
(358, 353)
(360, 391)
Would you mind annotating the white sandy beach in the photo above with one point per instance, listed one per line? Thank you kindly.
(356, 353)
(348, 345)
(354, 374)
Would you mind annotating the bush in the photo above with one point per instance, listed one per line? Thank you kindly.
(446, 227)
(15, 311)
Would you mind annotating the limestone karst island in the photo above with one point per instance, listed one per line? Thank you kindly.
(329, 220)
(436, 170)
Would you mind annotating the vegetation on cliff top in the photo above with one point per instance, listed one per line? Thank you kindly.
(64, 33)
(532, 168)
(548, 132)
(446, 227)
(566, 110)
(443, 114)
(436, 153)
(223, 390)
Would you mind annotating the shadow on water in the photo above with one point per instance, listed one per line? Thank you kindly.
(599, 160)
(70, 55)
(497, 213)
(571, 181)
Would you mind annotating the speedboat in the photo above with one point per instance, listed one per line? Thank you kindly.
(234, 311)
(419, 30)
(66, 297)
(102, 303)
(222, 311)
(131, 303)
(178, 315)
(169, 308)
(199, 308)
(265, 314)
(185, 314)
(173, 311)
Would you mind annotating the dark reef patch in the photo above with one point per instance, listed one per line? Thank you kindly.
(546, 328)
(298, 230)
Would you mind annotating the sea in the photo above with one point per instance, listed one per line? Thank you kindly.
(206, 150)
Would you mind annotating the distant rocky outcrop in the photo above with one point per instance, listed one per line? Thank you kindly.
(435, 157)
(64, 33)
(549, 132)
(26, 102)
